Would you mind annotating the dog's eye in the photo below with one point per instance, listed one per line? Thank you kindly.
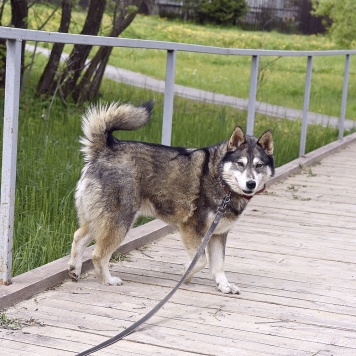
(240, 164)
(259, 165)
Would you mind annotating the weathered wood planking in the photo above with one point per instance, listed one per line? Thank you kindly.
(293, 253)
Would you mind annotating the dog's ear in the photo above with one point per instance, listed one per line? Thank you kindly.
(266, 141)
(237, 139)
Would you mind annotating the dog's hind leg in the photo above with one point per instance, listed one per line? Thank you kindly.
(216, 253)
(107, 242)
(81, 240)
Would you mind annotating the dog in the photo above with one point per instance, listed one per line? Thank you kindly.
(183, 187)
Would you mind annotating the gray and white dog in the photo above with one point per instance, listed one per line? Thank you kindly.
(183, 187)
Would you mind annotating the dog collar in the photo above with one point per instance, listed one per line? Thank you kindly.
(248, 197)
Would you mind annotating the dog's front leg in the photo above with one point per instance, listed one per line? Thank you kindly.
(216, 252)
(192, 242)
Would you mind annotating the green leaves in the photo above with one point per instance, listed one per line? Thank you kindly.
(342, 15)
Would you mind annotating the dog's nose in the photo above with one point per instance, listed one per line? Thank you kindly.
(251, 184)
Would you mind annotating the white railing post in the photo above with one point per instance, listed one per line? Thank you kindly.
(9, 155)
(344, 97)
(168, 98)
(252, 95)
(303, 134)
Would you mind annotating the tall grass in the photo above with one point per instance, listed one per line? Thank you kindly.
(48, 165)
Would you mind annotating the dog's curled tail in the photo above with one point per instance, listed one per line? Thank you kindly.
(100, 121)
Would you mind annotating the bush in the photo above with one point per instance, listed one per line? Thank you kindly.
(221, 12)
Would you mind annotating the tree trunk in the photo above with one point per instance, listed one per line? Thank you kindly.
(47, 83)
(80, 53)
(89, 86)
(86, 89)
(19, 14)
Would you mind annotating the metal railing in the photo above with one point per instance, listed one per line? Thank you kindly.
(14, 39)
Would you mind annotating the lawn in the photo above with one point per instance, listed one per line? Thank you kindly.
(281, 79)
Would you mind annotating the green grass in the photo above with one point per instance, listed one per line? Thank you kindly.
(48, 165)
(49, 161)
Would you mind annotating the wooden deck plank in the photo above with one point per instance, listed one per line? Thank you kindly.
(335, 291)
(218, 312)
(181, 305)
(277, 262)
(297, 245)
(181, 322)
(165, 332)
(16, 347)
(293, 254)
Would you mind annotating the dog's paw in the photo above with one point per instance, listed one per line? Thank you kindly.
(228, 288)
(188, 279)
(72, 274)
(113, 281)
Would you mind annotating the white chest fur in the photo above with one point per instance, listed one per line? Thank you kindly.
(224, 224)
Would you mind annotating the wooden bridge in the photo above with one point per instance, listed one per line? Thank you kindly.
(293, 254)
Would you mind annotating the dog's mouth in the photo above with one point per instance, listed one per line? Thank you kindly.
(248, 192)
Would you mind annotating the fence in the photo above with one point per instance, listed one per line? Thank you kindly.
(263, 18)
(14, 39)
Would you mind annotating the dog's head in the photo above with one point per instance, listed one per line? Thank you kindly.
(248, 162)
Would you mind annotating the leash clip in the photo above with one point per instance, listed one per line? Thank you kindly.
(224, 203)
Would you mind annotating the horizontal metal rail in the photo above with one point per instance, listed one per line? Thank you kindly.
(56, 37)
(15, 36)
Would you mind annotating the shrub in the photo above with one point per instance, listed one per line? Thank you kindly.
(221, 12)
